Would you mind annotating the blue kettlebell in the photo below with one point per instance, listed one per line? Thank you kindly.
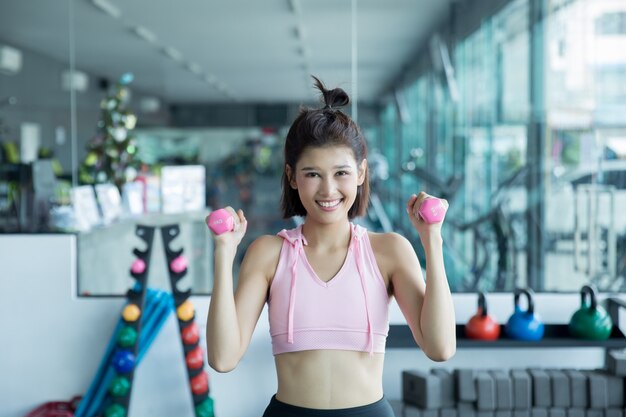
(524, 325)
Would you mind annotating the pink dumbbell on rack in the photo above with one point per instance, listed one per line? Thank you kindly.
(178, 264)
(138, 266)
(432, 210)
(220, 221)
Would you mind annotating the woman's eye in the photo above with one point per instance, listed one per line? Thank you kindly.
(311, 174)
(342, 172)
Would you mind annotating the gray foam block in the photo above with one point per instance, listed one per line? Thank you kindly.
(466, 409)
(575, 412)
(521, 413)
(522, 389)
(542, 391)
(430, 413)
(561, 390)
(448, 397)
(411, 411)
(398, 407)
(465, 385)
(504, 390)
(484, 413)
(503, 413)
(598, 390)
(590, 412)
(421, 389)
(557, 412)
(613, 412)
(448, 412)
(579, 390)
(538, 412)
(615, 361)
(615, 390)
(486, 390)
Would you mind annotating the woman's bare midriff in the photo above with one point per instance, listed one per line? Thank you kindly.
(329, 379)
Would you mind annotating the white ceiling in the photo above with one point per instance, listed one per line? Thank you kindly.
(245, 50)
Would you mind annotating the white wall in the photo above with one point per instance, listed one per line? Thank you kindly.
(53, 342)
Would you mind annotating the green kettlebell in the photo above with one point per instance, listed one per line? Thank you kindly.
(590, 321)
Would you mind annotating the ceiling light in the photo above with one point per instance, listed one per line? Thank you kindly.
(145, 34)
(295, 7)
(194, 68)
(173, 53)
(8, 101)
(304, 52)
(299, 32)
(74, 80)
(10, 60)
(107, 8)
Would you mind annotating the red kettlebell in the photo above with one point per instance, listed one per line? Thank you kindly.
(482, 326)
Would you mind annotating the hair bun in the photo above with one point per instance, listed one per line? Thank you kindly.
(336, 97)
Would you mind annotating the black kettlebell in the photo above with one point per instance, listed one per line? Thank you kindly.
(524, 325)
(590, 321)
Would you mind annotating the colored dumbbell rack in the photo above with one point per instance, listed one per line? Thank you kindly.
(189, 332)
(127, 339)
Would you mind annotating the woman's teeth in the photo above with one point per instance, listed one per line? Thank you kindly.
(329, 204)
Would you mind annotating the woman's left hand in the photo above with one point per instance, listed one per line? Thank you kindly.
(421, 226)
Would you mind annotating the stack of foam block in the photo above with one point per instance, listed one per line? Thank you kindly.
(531, 392)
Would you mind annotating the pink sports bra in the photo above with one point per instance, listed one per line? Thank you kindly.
(349, 312)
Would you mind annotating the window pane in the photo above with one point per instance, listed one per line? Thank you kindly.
(586, 101)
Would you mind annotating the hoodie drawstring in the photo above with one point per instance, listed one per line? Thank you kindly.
(370, 330)
(292, 295)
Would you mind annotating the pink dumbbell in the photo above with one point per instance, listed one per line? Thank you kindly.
(178, 264)
(432, 210)
(138, 266)
(220, 221)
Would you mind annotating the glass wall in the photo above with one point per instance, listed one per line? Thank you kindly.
(585, 97)
(471, 121)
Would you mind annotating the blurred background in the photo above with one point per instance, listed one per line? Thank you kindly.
(117, 113)
(510, 109)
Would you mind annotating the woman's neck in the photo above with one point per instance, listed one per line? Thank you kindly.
(327, 235)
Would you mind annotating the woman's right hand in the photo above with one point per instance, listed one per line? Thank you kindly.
(232, 238)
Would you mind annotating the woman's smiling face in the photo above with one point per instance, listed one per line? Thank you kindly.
(326, 179)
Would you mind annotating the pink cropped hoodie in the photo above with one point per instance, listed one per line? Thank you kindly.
(349, 312)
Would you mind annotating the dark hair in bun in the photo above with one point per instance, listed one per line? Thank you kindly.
(332, 98)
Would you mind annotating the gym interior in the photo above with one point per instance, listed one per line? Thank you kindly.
(124, 124)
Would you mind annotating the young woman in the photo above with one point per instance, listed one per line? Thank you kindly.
(328, 282)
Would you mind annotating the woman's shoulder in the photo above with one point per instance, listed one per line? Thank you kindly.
(387, 240)
(391, 246)
(266, 244)
(264, 253)
(390, 250)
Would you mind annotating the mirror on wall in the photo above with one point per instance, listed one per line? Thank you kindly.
(36, 118)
